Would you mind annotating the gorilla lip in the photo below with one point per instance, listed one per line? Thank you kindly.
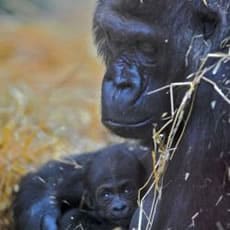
(119, 221)
(128, 125)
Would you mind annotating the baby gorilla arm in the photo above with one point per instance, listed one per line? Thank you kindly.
(46, 196)
(43, 194)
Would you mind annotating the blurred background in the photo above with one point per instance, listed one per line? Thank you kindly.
(50, 82)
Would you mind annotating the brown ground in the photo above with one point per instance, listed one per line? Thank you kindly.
(49, 96)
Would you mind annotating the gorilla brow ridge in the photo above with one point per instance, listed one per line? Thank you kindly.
(123, 28)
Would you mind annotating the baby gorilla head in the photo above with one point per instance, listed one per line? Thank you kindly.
(113, 179)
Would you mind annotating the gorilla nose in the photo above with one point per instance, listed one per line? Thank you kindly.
(123, 82)
(127, 77)
(120, 209)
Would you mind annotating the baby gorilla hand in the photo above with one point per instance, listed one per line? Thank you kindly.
(49, 222)
(43, 215)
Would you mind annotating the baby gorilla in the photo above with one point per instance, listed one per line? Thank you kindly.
(112, 181)
(94, 191)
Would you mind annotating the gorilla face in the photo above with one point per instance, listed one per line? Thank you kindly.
(113, 186)
(146, 45)
(117, 201)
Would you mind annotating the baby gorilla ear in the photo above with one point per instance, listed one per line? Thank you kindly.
(88, 200)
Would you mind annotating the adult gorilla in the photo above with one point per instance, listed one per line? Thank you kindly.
(148, 45)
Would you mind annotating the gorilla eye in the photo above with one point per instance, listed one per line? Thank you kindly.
(209, 24)
(146, 48)
(106, 194)
(127, 190)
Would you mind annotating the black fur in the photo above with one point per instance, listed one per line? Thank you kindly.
(150, 44)
(71, 193)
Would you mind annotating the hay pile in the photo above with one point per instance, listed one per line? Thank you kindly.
(25, 141)
(49, 100)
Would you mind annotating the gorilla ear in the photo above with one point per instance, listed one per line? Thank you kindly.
(209, 21)
(144, 157)
(212, 18)
(89, 200)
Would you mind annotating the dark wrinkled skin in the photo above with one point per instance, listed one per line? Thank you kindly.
(108, 180)
(150, 45)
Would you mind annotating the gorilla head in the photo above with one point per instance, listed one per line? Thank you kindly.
(113, 179)
(147, 45)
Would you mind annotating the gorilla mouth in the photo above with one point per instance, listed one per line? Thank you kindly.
(120, 221)
(139, 129)
(137, 124)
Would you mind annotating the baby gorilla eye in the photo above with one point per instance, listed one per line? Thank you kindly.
(106, 194)
(127, 189)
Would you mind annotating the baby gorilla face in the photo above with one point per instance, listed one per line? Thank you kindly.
(113, 183)
(116, 201)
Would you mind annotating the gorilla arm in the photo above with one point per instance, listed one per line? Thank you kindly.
(42, 194)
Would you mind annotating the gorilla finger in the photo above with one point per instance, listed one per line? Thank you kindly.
(49, 223)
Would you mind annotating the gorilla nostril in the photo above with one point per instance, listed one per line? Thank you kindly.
(126, 76)
(123, 83)
(119, 207)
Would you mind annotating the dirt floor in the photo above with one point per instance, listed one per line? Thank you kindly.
(50, 82)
